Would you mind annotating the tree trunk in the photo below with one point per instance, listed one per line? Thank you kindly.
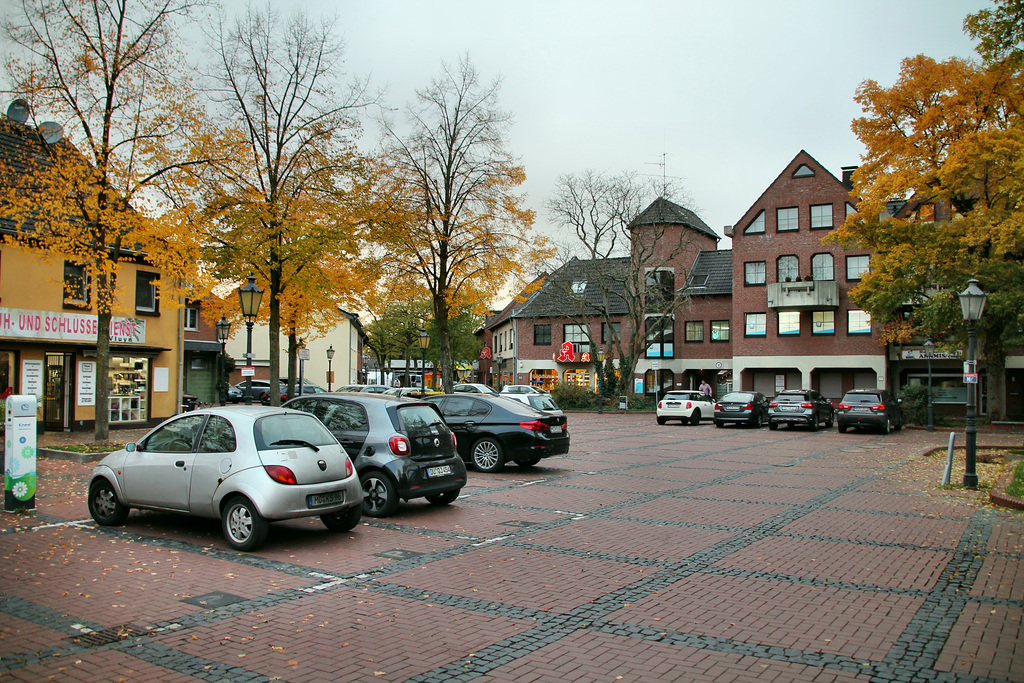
(105, 284)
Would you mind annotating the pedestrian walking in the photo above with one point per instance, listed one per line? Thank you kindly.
(705, 388)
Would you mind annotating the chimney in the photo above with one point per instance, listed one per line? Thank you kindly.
(848, 176)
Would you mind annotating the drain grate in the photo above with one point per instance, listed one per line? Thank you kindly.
(106, 636)
(214, 600)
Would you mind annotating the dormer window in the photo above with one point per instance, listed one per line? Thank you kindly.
(579, 286)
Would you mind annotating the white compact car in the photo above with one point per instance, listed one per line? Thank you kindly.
(244, 465)
(685, 406)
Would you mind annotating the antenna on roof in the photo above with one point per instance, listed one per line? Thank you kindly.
(18, 111)
(664, 176)
(51, 131)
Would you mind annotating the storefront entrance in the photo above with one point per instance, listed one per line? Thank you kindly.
(56, 405)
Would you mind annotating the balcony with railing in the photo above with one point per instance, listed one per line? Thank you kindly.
(803, 295)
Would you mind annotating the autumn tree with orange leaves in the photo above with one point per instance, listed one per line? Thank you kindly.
(111, 75)
(287, 206)
(948, 138)
(452, 217)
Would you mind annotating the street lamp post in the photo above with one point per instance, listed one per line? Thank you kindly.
(249, 296)
(330, 357)
(972, 304)
(929, 351)
(498, 360)
(424, 340)
(223, 334)
(599, 377)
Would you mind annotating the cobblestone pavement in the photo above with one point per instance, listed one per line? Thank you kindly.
(648, 553)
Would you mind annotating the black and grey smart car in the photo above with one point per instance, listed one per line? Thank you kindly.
(402, 449)
(870, 408)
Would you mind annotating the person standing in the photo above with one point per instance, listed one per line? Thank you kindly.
(705, 388)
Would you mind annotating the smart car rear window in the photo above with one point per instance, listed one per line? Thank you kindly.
(418, 418)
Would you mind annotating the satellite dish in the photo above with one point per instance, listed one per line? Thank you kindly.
(51, 131)
(18, 111)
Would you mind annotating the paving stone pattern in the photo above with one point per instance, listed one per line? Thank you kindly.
(647, 554)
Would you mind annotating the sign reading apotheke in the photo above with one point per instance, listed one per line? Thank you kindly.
(26, 324)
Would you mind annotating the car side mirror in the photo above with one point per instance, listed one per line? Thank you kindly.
(131, 447)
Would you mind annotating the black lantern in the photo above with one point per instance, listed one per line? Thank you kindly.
(330, 357)
(223, 334)
(249, 296)
(424, 340)
(972, 304)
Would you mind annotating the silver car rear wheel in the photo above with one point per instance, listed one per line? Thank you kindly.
(244, 528)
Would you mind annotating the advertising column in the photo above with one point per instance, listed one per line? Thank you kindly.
(20, 454)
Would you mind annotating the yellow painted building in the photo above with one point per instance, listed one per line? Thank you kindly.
(48, 327)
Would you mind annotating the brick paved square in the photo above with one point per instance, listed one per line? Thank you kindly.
(910, 505)
(465, 518)
(986, 641)
(98, 666)
(630, 539)
(685, 473)
(346, 635)
(625, 482)
(792, 477)
(20, 635)
(840, 561)
(106, 580)
(703, 512)
(1001, 577)
(781, 495)
(587, 656)
(1008, 534)
(924, 532)
(554, 497)
(779, 614)
(529, 578)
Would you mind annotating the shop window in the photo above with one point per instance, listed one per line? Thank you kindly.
(544, 379)
(145, 291)
(695, 331)
(129, 382)
(76, 286)
(580, 378)
(719, 330)
(7, 365)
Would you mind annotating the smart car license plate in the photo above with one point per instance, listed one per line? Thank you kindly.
(316, 500)
(441, 471)
(556, 429)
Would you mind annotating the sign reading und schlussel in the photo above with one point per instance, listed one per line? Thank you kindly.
(26, 324)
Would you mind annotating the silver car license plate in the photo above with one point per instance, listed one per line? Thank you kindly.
(556, 429)
(440, 471)
(316, 500)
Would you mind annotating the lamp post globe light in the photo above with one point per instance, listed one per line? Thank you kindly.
(249, 297)
(223, 334)
(330, 357)
(972, 304)
(424, 340)
(929, 351)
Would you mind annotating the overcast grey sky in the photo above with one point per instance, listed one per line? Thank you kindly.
(728, 90)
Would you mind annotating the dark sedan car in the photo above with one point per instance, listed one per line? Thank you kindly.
(402, 449)
(874, 408)
(800, 407)
(747, 407)
(492, 430)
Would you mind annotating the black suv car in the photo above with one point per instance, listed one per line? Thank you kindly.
(800, 407)
(874, 408)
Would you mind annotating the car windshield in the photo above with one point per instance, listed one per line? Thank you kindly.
(290, 428)
(737, 397)
(683, 396)
(862, 398)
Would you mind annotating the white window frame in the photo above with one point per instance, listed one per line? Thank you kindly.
(787, 219)
(819, 220)
(818, 265)
(750, 268)
(858, 271)
(755, 325)
(756, 226)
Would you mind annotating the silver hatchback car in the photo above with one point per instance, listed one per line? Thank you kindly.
(244, 465)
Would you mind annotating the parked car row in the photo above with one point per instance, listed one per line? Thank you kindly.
(860, 409)
(336, 456)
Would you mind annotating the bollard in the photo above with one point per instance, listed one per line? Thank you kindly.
(949, 460)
